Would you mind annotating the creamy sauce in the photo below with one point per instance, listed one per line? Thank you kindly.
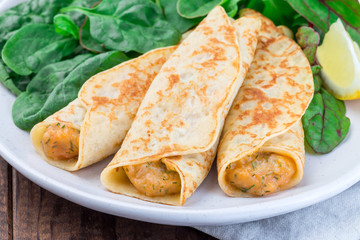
(61, 142)
(261, 173)
(153, 179)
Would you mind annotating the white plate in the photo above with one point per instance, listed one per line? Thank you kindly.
(325, 176)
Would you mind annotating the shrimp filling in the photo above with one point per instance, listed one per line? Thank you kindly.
(61, 142)
(261, 173)
(153, 178)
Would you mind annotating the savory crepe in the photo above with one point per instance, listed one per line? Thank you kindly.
(172, 143)
(94, 125)
(262, 144)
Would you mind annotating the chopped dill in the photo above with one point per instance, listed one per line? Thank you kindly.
(246, 189)
(174, 182)
(253, 165)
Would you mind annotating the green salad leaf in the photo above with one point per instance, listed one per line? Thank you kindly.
(324, 122)
(308, 39)
(118, 25)
(195, 9)
(172, 15)
(32, 11)
(43, 46)
(323, 13)
(87, 41)
(58, 84)
(65, 26)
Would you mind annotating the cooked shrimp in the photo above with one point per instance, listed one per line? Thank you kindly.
(61, 142)
(261, 173)
(153, 178)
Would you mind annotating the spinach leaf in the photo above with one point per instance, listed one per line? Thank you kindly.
(58, 84)
(43, 46)
(325, 124)
(87, 41)
(231, 7)
(172, 15)
(32, 11)
(279, 11)
(323, 13)
(7, 81)
(65, 26)
(118, 25)
(194, 9)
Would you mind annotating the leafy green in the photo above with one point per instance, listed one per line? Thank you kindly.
(323, 13)
(231, 7)
(7, 81)
(58, 84)
(308, 39)
(43, 46)
(32, 11)
(87, 41)
(325, 124)
(118, 25)
(65, 25)
(195, 9)
(172, 15)
(279, 11)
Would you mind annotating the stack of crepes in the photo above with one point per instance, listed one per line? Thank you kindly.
(181, 97)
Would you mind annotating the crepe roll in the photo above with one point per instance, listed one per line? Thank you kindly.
(261, 149)
(172, 143)
(94, 125)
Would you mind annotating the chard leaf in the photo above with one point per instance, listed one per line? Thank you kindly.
(308, 39)
(325, 124)
(118, 25)
(323, 13)
(172, 15)
(62, 82)
(194, 9)
(43, 46)
(65, 26)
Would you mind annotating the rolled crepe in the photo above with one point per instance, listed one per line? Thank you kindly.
(262, 145)
(94, 125)
(172, 143)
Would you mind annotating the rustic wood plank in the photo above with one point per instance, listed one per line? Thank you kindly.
(40, 214)
(5, 204)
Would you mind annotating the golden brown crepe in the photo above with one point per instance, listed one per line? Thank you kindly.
(94, 125)
(172, 143)
(262, 146)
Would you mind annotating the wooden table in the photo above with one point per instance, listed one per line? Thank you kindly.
(30, 212)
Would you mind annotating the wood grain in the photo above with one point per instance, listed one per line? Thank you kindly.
(38, 214)
(5, 204)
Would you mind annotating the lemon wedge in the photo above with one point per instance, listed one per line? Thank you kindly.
(339, 57)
